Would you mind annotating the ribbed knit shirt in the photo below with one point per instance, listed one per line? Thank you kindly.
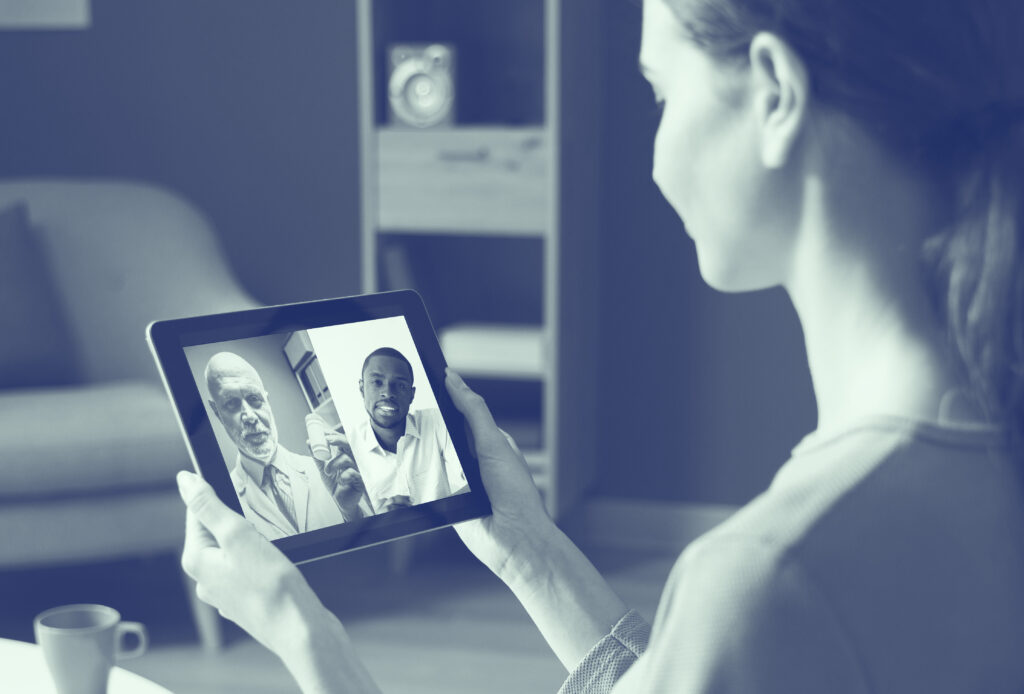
(886, 557)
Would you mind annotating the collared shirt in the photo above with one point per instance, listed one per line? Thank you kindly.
(424, 467)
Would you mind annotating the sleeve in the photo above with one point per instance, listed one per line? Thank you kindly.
(739, 616)
(610, 657)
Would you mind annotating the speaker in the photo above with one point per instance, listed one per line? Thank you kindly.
(421, 85)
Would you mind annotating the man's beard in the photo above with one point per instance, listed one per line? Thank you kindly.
(260, 445)
(392, 412)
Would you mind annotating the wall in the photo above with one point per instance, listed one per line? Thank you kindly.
(704, 394)
(247, 108)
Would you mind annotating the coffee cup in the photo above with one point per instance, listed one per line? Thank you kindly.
(81, 643)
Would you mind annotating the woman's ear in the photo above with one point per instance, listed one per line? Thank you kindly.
(781, 92)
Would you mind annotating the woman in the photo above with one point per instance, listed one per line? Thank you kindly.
(867, 157)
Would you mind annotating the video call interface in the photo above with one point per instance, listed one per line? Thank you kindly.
(328, 425)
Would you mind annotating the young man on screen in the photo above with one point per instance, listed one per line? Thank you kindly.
(406, 458)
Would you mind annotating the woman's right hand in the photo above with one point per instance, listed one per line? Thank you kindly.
(518, 515)
(561, 590)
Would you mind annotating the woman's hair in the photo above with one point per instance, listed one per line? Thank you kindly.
(939, 82)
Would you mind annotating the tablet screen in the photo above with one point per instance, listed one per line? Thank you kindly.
(326, 424)
(275, 401)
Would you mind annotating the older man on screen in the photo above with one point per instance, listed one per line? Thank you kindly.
(405, 458)
(282, 493)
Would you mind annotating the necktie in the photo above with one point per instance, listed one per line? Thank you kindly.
(281, 490)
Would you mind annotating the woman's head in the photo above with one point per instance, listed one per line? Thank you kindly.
(936, 84)
(715, 151)
(904, 69)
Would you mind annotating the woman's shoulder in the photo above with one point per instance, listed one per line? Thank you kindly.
(895, 538)
(851, 508)
(886, 492)
(878, 473)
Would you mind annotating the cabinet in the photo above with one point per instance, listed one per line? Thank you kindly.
(298, 350)
(493, 216)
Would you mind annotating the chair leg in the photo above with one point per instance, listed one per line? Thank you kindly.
(206, 618)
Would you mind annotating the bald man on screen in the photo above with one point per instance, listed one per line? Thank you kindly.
(281, 492)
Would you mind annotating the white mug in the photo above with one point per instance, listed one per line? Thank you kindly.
(82, 642)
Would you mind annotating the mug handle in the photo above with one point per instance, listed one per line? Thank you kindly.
(130, 628)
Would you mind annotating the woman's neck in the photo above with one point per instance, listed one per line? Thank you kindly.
(875, 343)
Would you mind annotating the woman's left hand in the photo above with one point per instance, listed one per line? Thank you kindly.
(253, 584)
(240, 572)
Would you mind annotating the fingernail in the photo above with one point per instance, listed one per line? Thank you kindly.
(186, 481)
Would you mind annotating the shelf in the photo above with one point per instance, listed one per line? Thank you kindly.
(492, 218)
(464, 179)
(525, 431)
(499, 53)
(466, 278)
(488, 350)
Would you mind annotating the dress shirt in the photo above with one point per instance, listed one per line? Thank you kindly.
(424, 467)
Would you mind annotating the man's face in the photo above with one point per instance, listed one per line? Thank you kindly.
(242, 407)
(387, 390)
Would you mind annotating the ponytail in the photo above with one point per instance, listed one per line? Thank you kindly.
(979, 263)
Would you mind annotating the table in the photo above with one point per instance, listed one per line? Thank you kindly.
(22, 669)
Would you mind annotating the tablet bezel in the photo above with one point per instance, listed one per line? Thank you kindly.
(169, 338)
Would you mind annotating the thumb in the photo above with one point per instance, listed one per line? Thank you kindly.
(202, 501)
(474, 409)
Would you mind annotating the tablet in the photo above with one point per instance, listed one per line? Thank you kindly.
(326, 424)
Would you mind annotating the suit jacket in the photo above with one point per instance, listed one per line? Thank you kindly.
(314, 505)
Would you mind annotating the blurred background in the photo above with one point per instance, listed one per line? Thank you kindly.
(192, 156)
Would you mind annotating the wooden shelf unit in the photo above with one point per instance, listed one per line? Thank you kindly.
(473, 180)
(531, 175)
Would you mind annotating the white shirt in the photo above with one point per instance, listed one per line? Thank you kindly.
(424, 467)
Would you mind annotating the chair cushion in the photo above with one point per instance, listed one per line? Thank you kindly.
(117, 436)
(123, 254)
(36, 347)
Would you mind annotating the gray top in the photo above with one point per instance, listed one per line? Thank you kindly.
(887, 557)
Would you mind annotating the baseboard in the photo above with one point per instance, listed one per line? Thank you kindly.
(620, 523)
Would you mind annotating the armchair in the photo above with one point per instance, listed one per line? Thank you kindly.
(87, 469)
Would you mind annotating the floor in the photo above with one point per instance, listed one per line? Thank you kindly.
(447, 625)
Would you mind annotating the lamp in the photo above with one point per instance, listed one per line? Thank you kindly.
(44, 14)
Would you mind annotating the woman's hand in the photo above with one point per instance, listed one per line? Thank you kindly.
(240, 572)
(518, 514)
(561, 590)
(253, 584)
